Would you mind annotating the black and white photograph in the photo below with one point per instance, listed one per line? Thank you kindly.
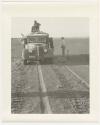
(50, 65)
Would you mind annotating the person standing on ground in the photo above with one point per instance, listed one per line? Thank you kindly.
(63, 46)
(51, 42)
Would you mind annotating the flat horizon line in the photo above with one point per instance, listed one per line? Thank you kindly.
(58, 37)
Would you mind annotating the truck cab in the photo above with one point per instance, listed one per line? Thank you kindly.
(37, 47)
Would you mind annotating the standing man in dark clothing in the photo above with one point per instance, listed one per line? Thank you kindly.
(63, 46)
(51, 42)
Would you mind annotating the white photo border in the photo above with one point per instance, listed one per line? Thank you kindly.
(88, 10)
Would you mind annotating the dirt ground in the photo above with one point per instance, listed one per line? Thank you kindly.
(66, 93)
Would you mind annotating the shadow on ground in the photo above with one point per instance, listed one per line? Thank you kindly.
(66, 60)
(56, 94)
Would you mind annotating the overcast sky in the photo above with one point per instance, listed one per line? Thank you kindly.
(56, 27)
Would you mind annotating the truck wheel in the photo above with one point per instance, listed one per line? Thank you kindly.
(25, 62)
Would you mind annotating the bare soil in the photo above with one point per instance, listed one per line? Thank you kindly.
(67, 94)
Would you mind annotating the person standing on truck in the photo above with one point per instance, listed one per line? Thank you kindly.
(35, 27)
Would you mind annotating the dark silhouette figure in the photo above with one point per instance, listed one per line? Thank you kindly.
(35, 27)
(63, 49)
(63, 46)
(67, 53)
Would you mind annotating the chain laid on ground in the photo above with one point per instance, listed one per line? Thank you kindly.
(45, 106)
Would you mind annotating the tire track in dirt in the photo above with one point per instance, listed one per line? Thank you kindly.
(24, 86)
(17, 82)
(82, 81)
(69, 82)
(64, 91)
(68, 79)
(57, 101)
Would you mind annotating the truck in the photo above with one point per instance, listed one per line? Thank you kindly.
(37, 46)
